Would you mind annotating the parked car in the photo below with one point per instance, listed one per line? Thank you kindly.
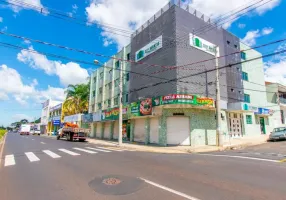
(278, 134)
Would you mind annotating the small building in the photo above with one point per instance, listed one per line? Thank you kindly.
(276, 94)
(55, 119)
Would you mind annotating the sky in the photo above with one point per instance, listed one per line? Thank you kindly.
(28, 78)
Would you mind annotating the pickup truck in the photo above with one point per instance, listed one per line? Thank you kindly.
(73, 133)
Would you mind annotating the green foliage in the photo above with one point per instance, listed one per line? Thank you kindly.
(2, 133)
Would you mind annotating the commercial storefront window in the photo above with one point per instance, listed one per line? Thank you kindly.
(248, 119)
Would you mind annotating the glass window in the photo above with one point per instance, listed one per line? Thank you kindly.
(126, 98)
(93, 93)
(116, 82)
(100, 90)
(109, 85)
(101, 75)
(248, 119)
(116, 101)
(228, 42)
(243, 55)
(245, 76)
(109, 103)
(128, 56)
(99, 106)
(247, 98)
(117, 64)
(127, 77)
(94, 79)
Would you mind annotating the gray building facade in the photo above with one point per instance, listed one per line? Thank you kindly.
(178, 27)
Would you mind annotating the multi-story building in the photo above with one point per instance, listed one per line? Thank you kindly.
(182, 96)
(55, 118)
(45, 115)
(276, 93)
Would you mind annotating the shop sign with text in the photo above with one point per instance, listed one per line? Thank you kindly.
(112, 114)
(202, 44)
(149, 49)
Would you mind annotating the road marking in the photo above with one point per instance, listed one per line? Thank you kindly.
(9, 160)
(98, 149)
(69, 152)
(52, 154)
(32, 157)
(242, 157)
(109, 148)
(33, 139)
(170, 190)
(282, 161)
(43, 143)
(84, 150)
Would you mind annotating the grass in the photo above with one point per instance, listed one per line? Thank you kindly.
(2, 132)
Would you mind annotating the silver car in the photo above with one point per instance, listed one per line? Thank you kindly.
(278, 134)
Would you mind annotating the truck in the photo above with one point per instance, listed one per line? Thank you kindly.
(72, 132)
(35, 129)
(25, 129)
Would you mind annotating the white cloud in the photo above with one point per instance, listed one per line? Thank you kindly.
(3, 96)
(11, 84)
(275, 70)
(267, 31)
(74, 8)
(124, 14)
(18, 117)
(1, 19)
(69, 73)
(4, 29)
(241, 26)
(251, 36)
(26, 4)
(27, 41)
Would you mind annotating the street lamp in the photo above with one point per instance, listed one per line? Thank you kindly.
(120, 99)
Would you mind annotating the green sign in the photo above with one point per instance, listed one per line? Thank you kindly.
(202, 44)
(184, 99)
(149, 49)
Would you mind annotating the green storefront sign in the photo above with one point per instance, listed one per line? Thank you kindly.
(149, 49)
(202, 44)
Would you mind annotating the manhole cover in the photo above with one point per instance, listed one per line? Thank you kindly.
(116, 185)
(111, 181)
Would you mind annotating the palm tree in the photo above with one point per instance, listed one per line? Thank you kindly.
(77, 99)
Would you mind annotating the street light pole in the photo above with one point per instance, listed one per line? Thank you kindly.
(120, 103)
(218, 108)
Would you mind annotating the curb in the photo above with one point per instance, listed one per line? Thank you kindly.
(2, 144)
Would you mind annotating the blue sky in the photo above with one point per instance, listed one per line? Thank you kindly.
(26, 79)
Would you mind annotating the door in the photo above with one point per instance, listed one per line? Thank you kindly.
(262, 125)
(98, 130)
(154, 130)
(178, 130)
(107, 130)
(235, 125)
(116, 130)
(139, 131)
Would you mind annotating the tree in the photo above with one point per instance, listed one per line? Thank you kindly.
(77, 99)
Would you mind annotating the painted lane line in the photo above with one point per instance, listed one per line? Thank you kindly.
(282, 161)
(84, 150)
(98, 149)
(170, 190)
(43, 143)
(242, 157)
(9, 160)
(109, 148)
(52, 154)
(32, 157)
(69, 152)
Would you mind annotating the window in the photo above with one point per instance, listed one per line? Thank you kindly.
(93, 93)
(248, 119)
(128, 56)
(109, 85)
(116, 100)
(127, 77)
(100, 90)
(94, 79)
(117, 64)
(110, 71)
(245, 76)
(228, 42)
(92, 108)
(126, 98)
(116, 82)
(235, 46)
(101, 75)
(232, 90)
(243, 55)
(99, 106)
(282, 117)
(246, 98)
(109, 103)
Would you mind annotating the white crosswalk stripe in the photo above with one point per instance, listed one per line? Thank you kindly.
(98, 149)
(85, 150)
(32, 157)
(9, 160)
(109, 148)
(52, 154)
(69, 152)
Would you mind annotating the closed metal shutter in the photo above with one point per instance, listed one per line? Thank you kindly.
(139, 131)
(178, 130)
(116, 130)
(154, 130)
(107, 130)
(98, 130)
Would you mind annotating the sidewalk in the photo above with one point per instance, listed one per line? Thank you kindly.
(230, 144)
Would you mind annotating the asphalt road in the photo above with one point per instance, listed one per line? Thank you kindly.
(29, 172)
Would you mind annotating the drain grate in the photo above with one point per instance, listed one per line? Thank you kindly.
(111, 181)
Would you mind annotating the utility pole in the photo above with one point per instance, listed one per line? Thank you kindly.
(120, 103)
(218, 109)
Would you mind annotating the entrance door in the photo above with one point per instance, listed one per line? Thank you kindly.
(235, 125)
(262, 125)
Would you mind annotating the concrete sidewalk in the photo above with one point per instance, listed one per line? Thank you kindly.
(233, 143)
